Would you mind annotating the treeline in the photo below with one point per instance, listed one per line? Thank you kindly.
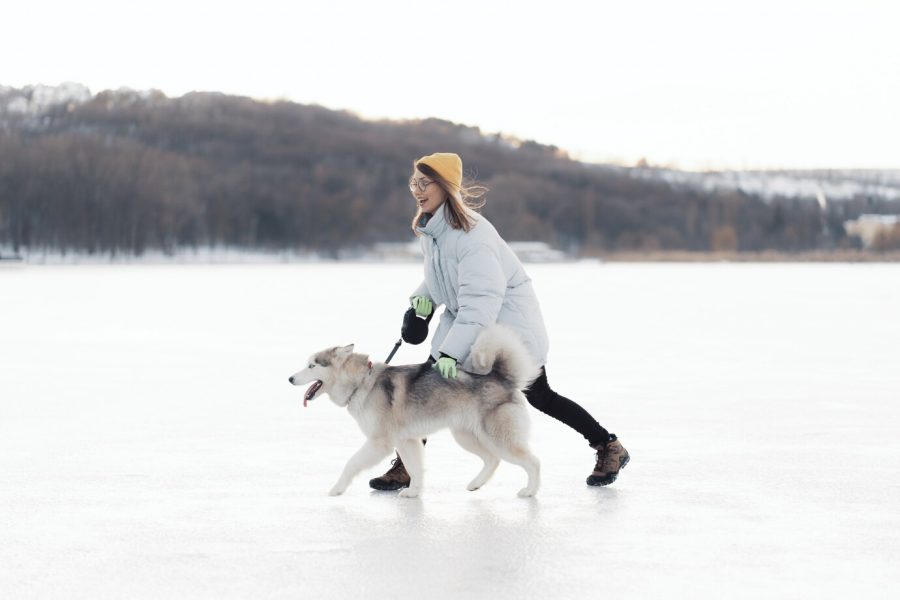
(127, 172)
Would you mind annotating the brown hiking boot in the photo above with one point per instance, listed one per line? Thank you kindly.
(395, 478)
(611, 457)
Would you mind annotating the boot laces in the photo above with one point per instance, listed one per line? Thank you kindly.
(396, 465)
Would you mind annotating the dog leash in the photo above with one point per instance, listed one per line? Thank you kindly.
(394, 351)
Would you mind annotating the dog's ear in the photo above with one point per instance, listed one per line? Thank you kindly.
(345, 350)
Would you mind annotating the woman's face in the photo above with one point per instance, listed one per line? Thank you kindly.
(429, 199)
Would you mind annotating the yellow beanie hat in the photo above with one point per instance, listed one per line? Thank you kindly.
(447, 165)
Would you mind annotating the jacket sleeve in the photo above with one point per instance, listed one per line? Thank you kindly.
(482, 287)
(422, 290)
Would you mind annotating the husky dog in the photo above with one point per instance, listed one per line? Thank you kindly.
(396, 407)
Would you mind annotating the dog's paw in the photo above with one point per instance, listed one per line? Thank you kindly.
(336, 491)
(473, 486)
(409, 493)
(526, 493)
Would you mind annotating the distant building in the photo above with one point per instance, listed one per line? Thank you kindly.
(412, 251)
(397, 251)
(536, 252)
(867, 227)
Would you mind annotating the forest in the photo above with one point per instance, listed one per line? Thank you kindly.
(127, 172)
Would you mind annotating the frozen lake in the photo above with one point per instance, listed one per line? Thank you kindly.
(151, 446)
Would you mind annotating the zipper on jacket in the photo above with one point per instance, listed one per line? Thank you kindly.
(436, 262)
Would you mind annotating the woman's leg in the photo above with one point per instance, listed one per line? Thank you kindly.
(611, 455)
(562, 409)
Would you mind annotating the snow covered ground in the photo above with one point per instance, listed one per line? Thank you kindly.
(151, 446)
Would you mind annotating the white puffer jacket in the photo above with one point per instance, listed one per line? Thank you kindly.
(480, 281)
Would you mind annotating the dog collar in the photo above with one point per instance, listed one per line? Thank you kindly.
(356, 389)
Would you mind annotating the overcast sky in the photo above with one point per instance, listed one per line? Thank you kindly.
(694, 84)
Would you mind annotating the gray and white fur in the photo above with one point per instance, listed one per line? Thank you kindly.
(396, 407)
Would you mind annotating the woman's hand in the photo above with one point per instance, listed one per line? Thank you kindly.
(422, 305)
(447, 367)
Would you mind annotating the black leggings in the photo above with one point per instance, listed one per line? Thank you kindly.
(562, 409)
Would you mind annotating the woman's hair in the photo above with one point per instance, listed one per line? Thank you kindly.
(461, 202)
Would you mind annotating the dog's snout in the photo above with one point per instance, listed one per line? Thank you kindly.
(291, 379)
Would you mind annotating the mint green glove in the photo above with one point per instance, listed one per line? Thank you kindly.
(447, 367)
(422, 305)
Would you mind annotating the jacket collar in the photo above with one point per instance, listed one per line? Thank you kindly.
(437, 225)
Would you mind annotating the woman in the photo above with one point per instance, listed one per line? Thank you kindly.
(474, 274)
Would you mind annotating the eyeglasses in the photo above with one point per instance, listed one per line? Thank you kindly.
(419, 184)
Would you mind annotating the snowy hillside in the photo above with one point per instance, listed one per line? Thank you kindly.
(35, 99)
(830, 184)
(827, 185)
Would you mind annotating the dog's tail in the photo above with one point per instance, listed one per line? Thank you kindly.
(499, 350)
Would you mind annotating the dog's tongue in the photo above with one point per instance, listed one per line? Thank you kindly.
(311, 391)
